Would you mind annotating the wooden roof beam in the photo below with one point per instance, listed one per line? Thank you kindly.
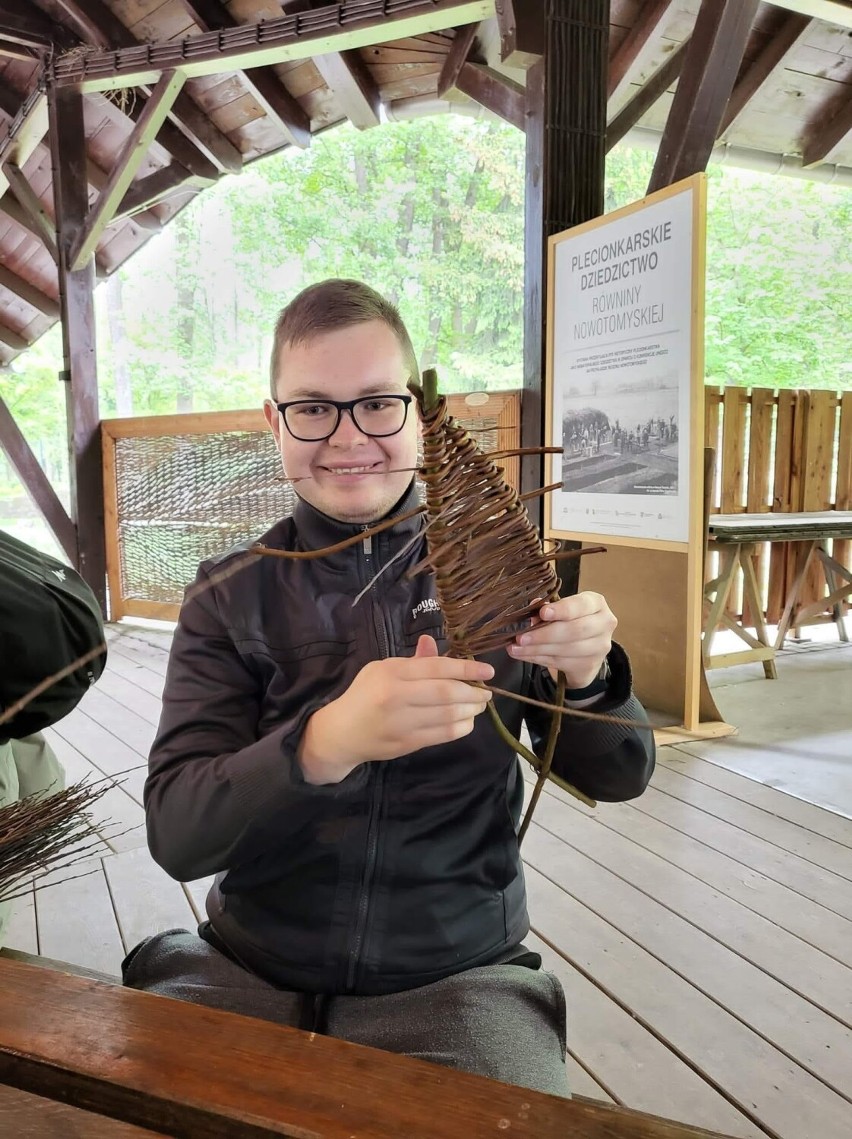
(460, 49)
(834, 11)
(35, 481)
(333, 27)
(709, 71)
(154, 188)
(791, 33)
(521, 26)
(27, 129)
(190, 136)
(13, 339)
(829, 131)
(128, 162)
(39, 221)
(266, 87)
(347, 76)
(637, 46)
(646, 97)
(26, 219)
(24, 24)
(29, 293)
(494, 92)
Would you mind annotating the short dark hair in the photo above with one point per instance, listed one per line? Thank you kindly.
(332, 304)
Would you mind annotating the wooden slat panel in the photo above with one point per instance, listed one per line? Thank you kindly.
(624, 1054)
(817, 463)
(789, 1024)
(146, 899)
(759, 1079)
(758, 498)
(832, 856)
(781, 501)
(735, 403)
(712, 410)
(806, 815)
(25, 1116)
(647, 853)
(20, 933)
(842, 551)
(76, 921)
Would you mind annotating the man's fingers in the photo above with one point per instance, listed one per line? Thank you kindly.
(426, 646)
(420, 668)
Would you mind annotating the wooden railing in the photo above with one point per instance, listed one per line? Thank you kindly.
(781, 451)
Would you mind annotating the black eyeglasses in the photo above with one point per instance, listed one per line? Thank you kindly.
(312, 420)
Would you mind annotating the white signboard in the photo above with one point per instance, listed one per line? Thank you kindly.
(624, 396)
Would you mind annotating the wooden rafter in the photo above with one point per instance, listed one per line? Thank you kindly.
(10, 103)
(153, 189)
(265, 85)
(27, 129)
(709, 70)
(646, 96)
(11, 207)
(36, 482)
(495, 92)
(521, 26)
(833, 11)
(460, 49)
(13, 339)
(22, 23)
(333, 27)
(29, 293)
(791, 33)
(830, 131)
(190, 136)
(128, 162)
(346, 75)
(637, 45)
(40, 221)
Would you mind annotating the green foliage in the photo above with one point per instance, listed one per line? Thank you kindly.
(431, 213)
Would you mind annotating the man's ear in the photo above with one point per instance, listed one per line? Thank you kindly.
(272, 417)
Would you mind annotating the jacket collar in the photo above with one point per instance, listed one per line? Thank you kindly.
(316, 530)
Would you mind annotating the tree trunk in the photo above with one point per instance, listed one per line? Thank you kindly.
(120, 345)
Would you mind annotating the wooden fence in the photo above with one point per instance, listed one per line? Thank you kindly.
(781, 451)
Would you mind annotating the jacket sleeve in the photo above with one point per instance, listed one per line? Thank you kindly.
(609, 762)
(216, 792)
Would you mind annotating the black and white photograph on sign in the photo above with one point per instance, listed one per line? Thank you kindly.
(620, 428)
(621, 373)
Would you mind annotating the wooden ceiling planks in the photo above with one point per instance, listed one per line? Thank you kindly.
(786, 97)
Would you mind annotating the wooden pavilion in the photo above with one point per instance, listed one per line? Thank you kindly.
(702, 934)
(120, 111)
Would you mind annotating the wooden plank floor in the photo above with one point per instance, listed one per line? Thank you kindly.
(703, 933)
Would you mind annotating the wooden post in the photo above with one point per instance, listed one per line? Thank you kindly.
(68, 149)
(565, 164)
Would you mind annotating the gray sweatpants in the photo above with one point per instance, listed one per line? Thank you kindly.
(503, 1021)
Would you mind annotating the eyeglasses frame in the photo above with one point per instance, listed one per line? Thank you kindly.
(349, 405)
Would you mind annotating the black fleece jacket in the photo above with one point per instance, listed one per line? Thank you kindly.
(406, 871)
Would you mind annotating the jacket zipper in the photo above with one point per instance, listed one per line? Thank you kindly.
(375, 804)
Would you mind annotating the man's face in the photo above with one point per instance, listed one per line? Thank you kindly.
(348, 475)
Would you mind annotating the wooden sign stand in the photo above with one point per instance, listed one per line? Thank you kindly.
(626, 331)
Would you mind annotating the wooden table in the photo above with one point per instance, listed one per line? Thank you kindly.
(736, 536)
(140, 1061)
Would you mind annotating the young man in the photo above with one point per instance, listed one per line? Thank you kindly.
(334, 771)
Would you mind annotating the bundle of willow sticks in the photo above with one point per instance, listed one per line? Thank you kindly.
(43, 833)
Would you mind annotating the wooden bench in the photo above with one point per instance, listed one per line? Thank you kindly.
(134, 1060)
(736, 536)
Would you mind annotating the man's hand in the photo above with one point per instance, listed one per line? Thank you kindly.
(391, 708)
(572, 635)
